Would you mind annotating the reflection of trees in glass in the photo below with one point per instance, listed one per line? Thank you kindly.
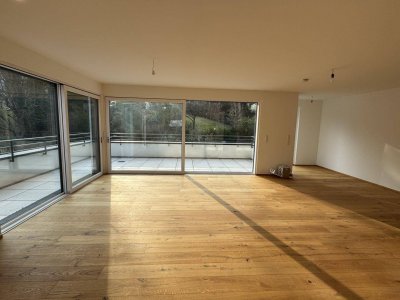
(144, 120)
(225, 121)
(195, 109)
(83, 117)
(27, 106)
(78, 112)
(126, 117)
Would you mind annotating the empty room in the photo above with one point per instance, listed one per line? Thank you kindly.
(199, 149)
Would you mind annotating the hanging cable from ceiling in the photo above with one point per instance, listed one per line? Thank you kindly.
(153, 70)
(332, 76)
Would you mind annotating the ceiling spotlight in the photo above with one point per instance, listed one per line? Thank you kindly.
(153, 71)
(332, 76)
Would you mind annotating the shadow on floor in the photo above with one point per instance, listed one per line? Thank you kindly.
(361, 197)
(339, 287)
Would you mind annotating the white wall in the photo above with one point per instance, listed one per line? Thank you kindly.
(307, 132)
(360, 136)
(174, 150)
(277, 115)
(16, 56)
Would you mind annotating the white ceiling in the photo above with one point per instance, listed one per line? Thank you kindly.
(238, 44)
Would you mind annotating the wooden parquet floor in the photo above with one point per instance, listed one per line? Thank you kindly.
(322, 235)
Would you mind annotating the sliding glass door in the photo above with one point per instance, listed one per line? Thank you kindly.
(30, 161)
(145, 135)
(182, 136)
(84, 137)
(220, 136)
(49, 143)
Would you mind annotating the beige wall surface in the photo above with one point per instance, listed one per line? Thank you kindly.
(360, 136)
(307, 132)
(276, 124)
(23, 59)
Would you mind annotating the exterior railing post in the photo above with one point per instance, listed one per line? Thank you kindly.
(45, 148)
(12, 150)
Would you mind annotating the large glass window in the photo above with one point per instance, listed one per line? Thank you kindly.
(145, 135)
(220, 136)
(83, 116)
(29, 143)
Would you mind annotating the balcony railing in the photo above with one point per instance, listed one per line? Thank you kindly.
(11, 148)
(177, 138)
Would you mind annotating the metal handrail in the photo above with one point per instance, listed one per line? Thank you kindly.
(139, 137)
(45, 137)
(11, 148)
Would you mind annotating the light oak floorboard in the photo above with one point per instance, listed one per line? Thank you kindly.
(321, 235)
